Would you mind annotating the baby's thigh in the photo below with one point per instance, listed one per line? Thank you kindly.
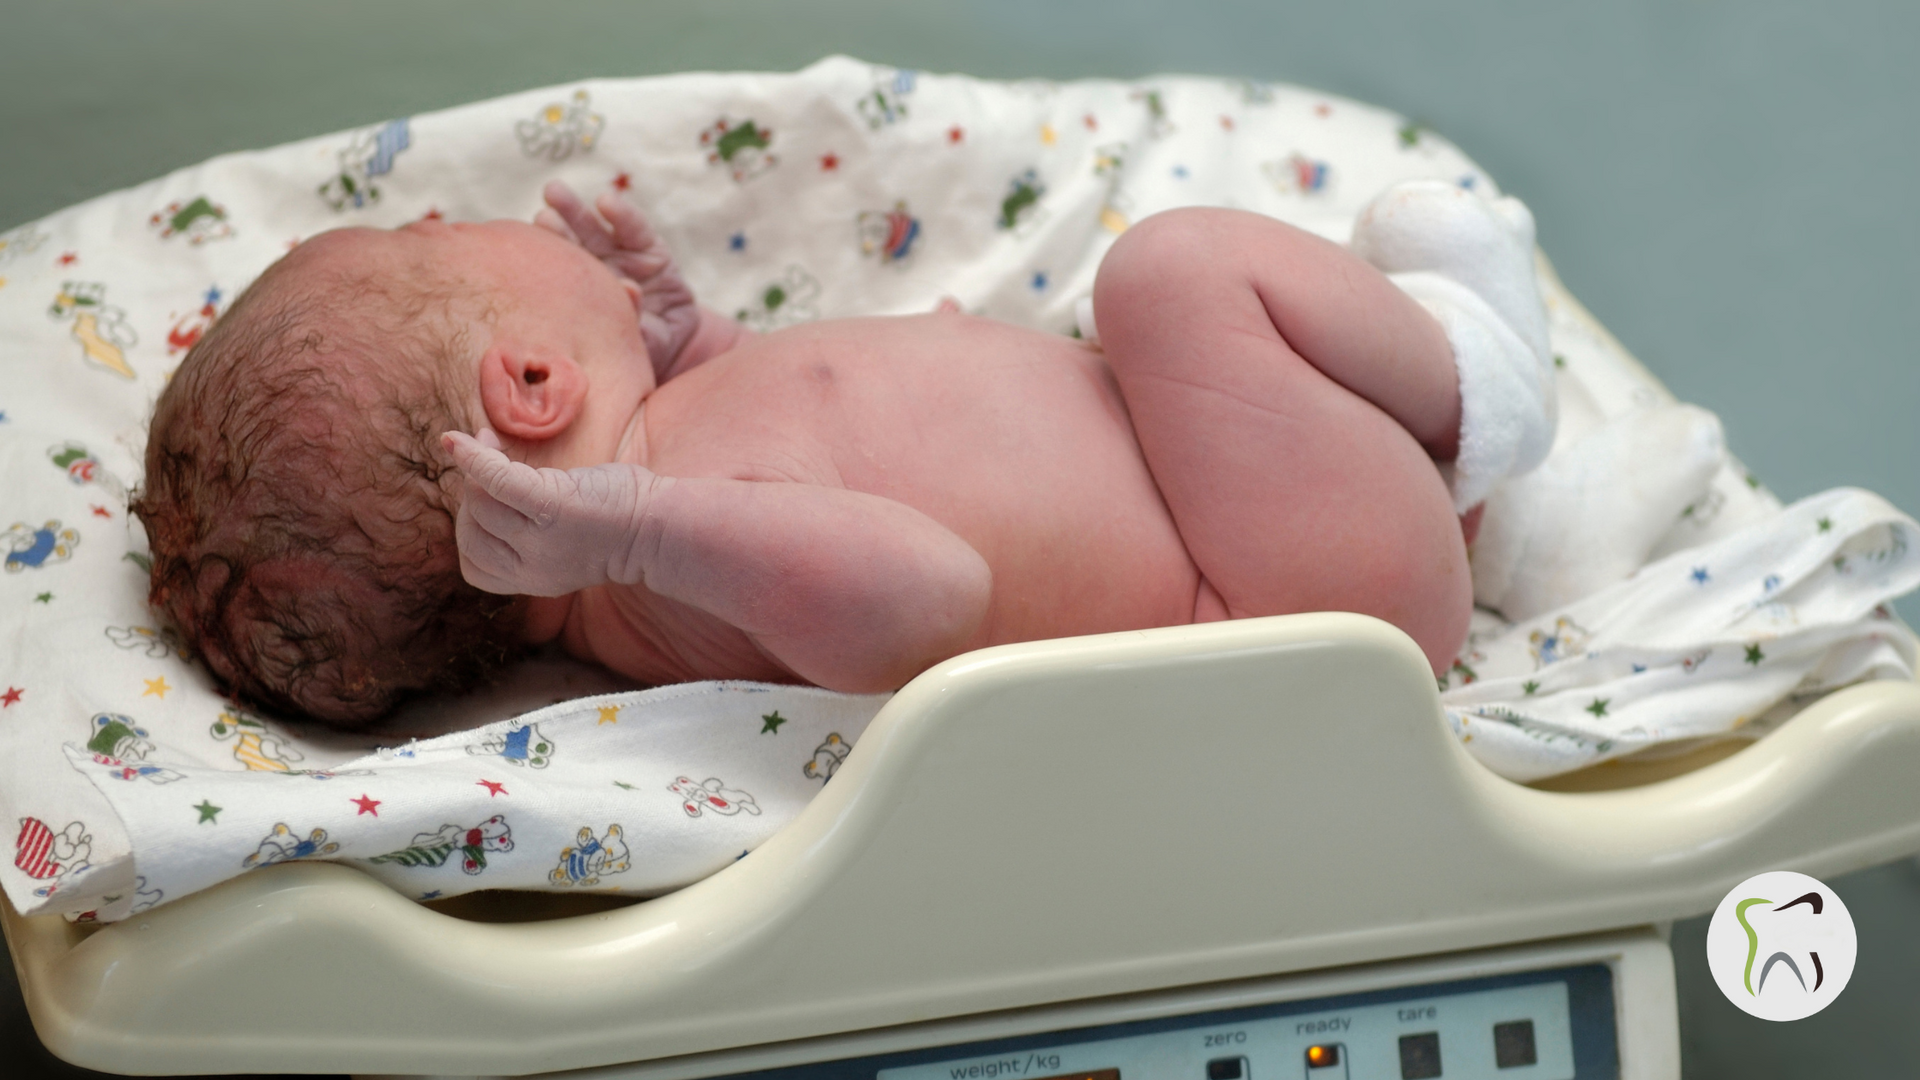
(1291, 491)
(1350, 515)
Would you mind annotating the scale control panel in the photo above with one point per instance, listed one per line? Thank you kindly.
(1555, 1024)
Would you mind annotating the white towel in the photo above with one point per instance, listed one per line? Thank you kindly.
(1594, 512)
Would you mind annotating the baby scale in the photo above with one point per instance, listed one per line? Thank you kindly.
(1236, 851)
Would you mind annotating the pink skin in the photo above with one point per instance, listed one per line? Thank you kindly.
(1291, 401)
(850, 501)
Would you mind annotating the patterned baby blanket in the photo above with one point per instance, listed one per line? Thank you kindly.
(842, 189)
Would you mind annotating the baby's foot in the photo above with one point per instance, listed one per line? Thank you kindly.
(1469, 261)
(630, 248)
(1484, 244)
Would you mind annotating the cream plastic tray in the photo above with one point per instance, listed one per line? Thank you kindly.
(1026, 824)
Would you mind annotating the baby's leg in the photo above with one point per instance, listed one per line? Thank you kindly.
(1291, 402)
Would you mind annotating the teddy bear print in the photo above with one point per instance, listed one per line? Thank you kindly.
(157, 644)
(827, 758)
(590, 859)
(434, 848)
(117, 736)
(889, 234)
(711, 794)
(886, 103)
(31, 548)
(281, 845)
(102, 330)
(43, 854)
(83, 468)
(792, 298)
(368, 156)
(254, 744)
(1297, 174)
(741, 147)
(522, 745)
(1566, 639)
(557, 130)
(199, 219)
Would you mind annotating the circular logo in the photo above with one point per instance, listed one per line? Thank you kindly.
(1781, 946)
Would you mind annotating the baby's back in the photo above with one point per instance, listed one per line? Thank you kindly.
(1015, 440)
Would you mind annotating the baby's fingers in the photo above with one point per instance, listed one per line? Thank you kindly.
(630, 229)
(496, 518)
(518, 486)
(555, 224)
(486, 561)
(562, 198)
(588, 230)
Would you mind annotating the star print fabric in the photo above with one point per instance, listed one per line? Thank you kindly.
(635, 793)
(1727, 638)
(844, 189)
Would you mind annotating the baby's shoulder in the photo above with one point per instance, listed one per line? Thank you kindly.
(726, 428)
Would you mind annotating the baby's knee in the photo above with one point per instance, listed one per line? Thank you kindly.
(1166, 251)
(1209, 263)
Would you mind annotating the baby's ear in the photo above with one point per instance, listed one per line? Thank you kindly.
(632, 289)
(531, 394)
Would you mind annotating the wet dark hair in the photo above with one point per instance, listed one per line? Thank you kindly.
(298, 507)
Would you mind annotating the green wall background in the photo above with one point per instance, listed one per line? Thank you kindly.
(1727, 185)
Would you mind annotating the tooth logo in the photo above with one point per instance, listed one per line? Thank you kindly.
(1781, 946)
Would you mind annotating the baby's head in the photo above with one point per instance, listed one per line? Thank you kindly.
(297, 503)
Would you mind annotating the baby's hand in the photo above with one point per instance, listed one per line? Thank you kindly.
(628, 246)
(545, 532)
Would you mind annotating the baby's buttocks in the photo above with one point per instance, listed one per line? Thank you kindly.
(1017, 441)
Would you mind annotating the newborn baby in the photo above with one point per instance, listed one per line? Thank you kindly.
(844, 502)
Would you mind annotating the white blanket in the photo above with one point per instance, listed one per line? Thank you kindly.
(843, 189)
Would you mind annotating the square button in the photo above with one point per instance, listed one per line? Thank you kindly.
(1420, 1056)
(1232, 1068)
(1513, 1044)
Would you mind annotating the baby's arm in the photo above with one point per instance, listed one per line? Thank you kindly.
(848, 590)
(680, 334)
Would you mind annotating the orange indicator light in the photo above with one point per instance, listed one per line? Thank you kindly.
(1322, 1057)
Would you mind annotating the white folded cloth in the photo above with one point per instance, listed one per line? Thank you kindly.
(1593, 513)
